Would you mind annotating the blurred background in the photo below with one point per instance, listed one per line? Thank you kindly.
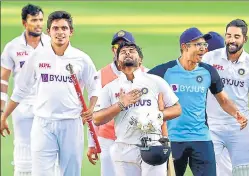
(156, 27)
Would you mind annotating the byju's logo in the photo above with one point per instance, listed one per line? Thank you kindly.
(175, 87)
(185, 88)
(55, 78)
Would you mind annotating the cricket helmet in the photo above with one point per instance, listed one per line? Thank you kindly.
(155, 154)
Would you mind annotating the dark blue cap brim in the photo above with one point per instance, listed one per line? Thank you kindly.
(205, 36)
(118, 38)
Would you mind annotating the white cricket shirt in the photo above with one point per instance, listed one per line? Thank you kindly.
(56, 95)
(125, 121)
(235, 77)
(16, 53)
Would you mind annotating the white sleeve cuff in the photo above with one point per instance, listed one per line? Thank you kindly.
(16, 98)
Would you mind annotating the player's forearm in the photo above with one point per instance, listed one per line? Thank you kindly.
(226, 104)
(93, 101)
(229, 107)
(9, 109)
(172, 112)
(105, 115)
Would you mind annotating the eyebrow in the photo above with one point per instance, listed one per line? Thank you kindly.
(237, 35)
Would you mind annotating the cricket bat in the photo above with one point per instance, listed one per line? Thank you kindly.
(80, 96)
(170, 164)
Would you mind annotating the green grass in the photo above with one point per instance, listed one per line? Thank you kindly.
(155, 25)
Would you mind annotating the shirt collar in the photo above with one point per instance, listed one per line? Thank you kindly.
(136, 73)
(241, 58)
(25, 42)
(68, 51)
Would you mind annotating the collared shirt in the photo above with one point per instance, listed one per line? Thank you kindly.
(125, 122)
(56, 95)
(16, 53)
(235, 77)
(191, 88)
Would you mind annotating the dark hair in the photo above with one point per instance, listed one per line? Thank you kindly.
(123, 44)
(30, 9)
(60, 15)
(240, 24)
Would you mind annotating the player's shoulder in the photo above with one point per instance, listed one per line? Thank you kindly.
(112, 84)
(108, 66)
(14, 42)
(75, 52)
(218, 53)
(154, 78)
(208, 68)
(161, 69)
(164, 66)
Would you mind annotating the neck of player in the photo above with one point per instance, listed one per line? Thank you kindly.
(187, 64)
(129, 72)
(31, 40)
(234, 57)
(59, 50)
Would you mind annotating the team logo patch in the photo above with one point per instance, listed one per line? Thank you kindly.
(21, 63)
(144, 90)
(199, 79)
(241, 71)
(175, 87)
(121, 33)
(68, 67)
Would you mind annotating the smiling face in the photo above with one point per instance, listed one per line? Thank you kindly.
(60, 32)
(195, 50)
(234, 39)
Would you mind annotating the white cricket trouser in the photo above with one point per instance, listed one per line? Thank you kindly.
(22, 119)
(234, 139)
(107, 166)
(224, 166)
(49, 137)
(128, 162)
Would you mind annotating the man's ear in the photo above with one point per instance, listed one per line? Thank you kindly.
(246, 38)
(71, 32)
(184, 47)
(24, 23)
(48, 31)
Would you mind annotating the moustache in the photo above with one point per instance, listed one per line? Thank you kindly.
(34, 34)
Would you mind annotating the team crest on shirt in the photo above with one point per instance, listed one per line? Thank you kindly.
(144, 90)
(241, 71)
(68, 67)
(21, 63)
(121, 33)
(199, 79)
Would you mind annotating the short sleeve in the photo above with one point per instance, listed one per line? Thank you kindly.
(6, 59)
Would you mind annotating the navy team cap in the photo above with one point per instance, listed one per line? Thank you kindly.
(193, 34)
(127, 36)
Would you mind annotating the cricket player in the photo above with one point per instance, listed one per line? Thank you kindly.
(232, 64)
(224, 166)
(57, 125)
(13, 57)
(190, 79)
(140, 96)
(106, 133)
